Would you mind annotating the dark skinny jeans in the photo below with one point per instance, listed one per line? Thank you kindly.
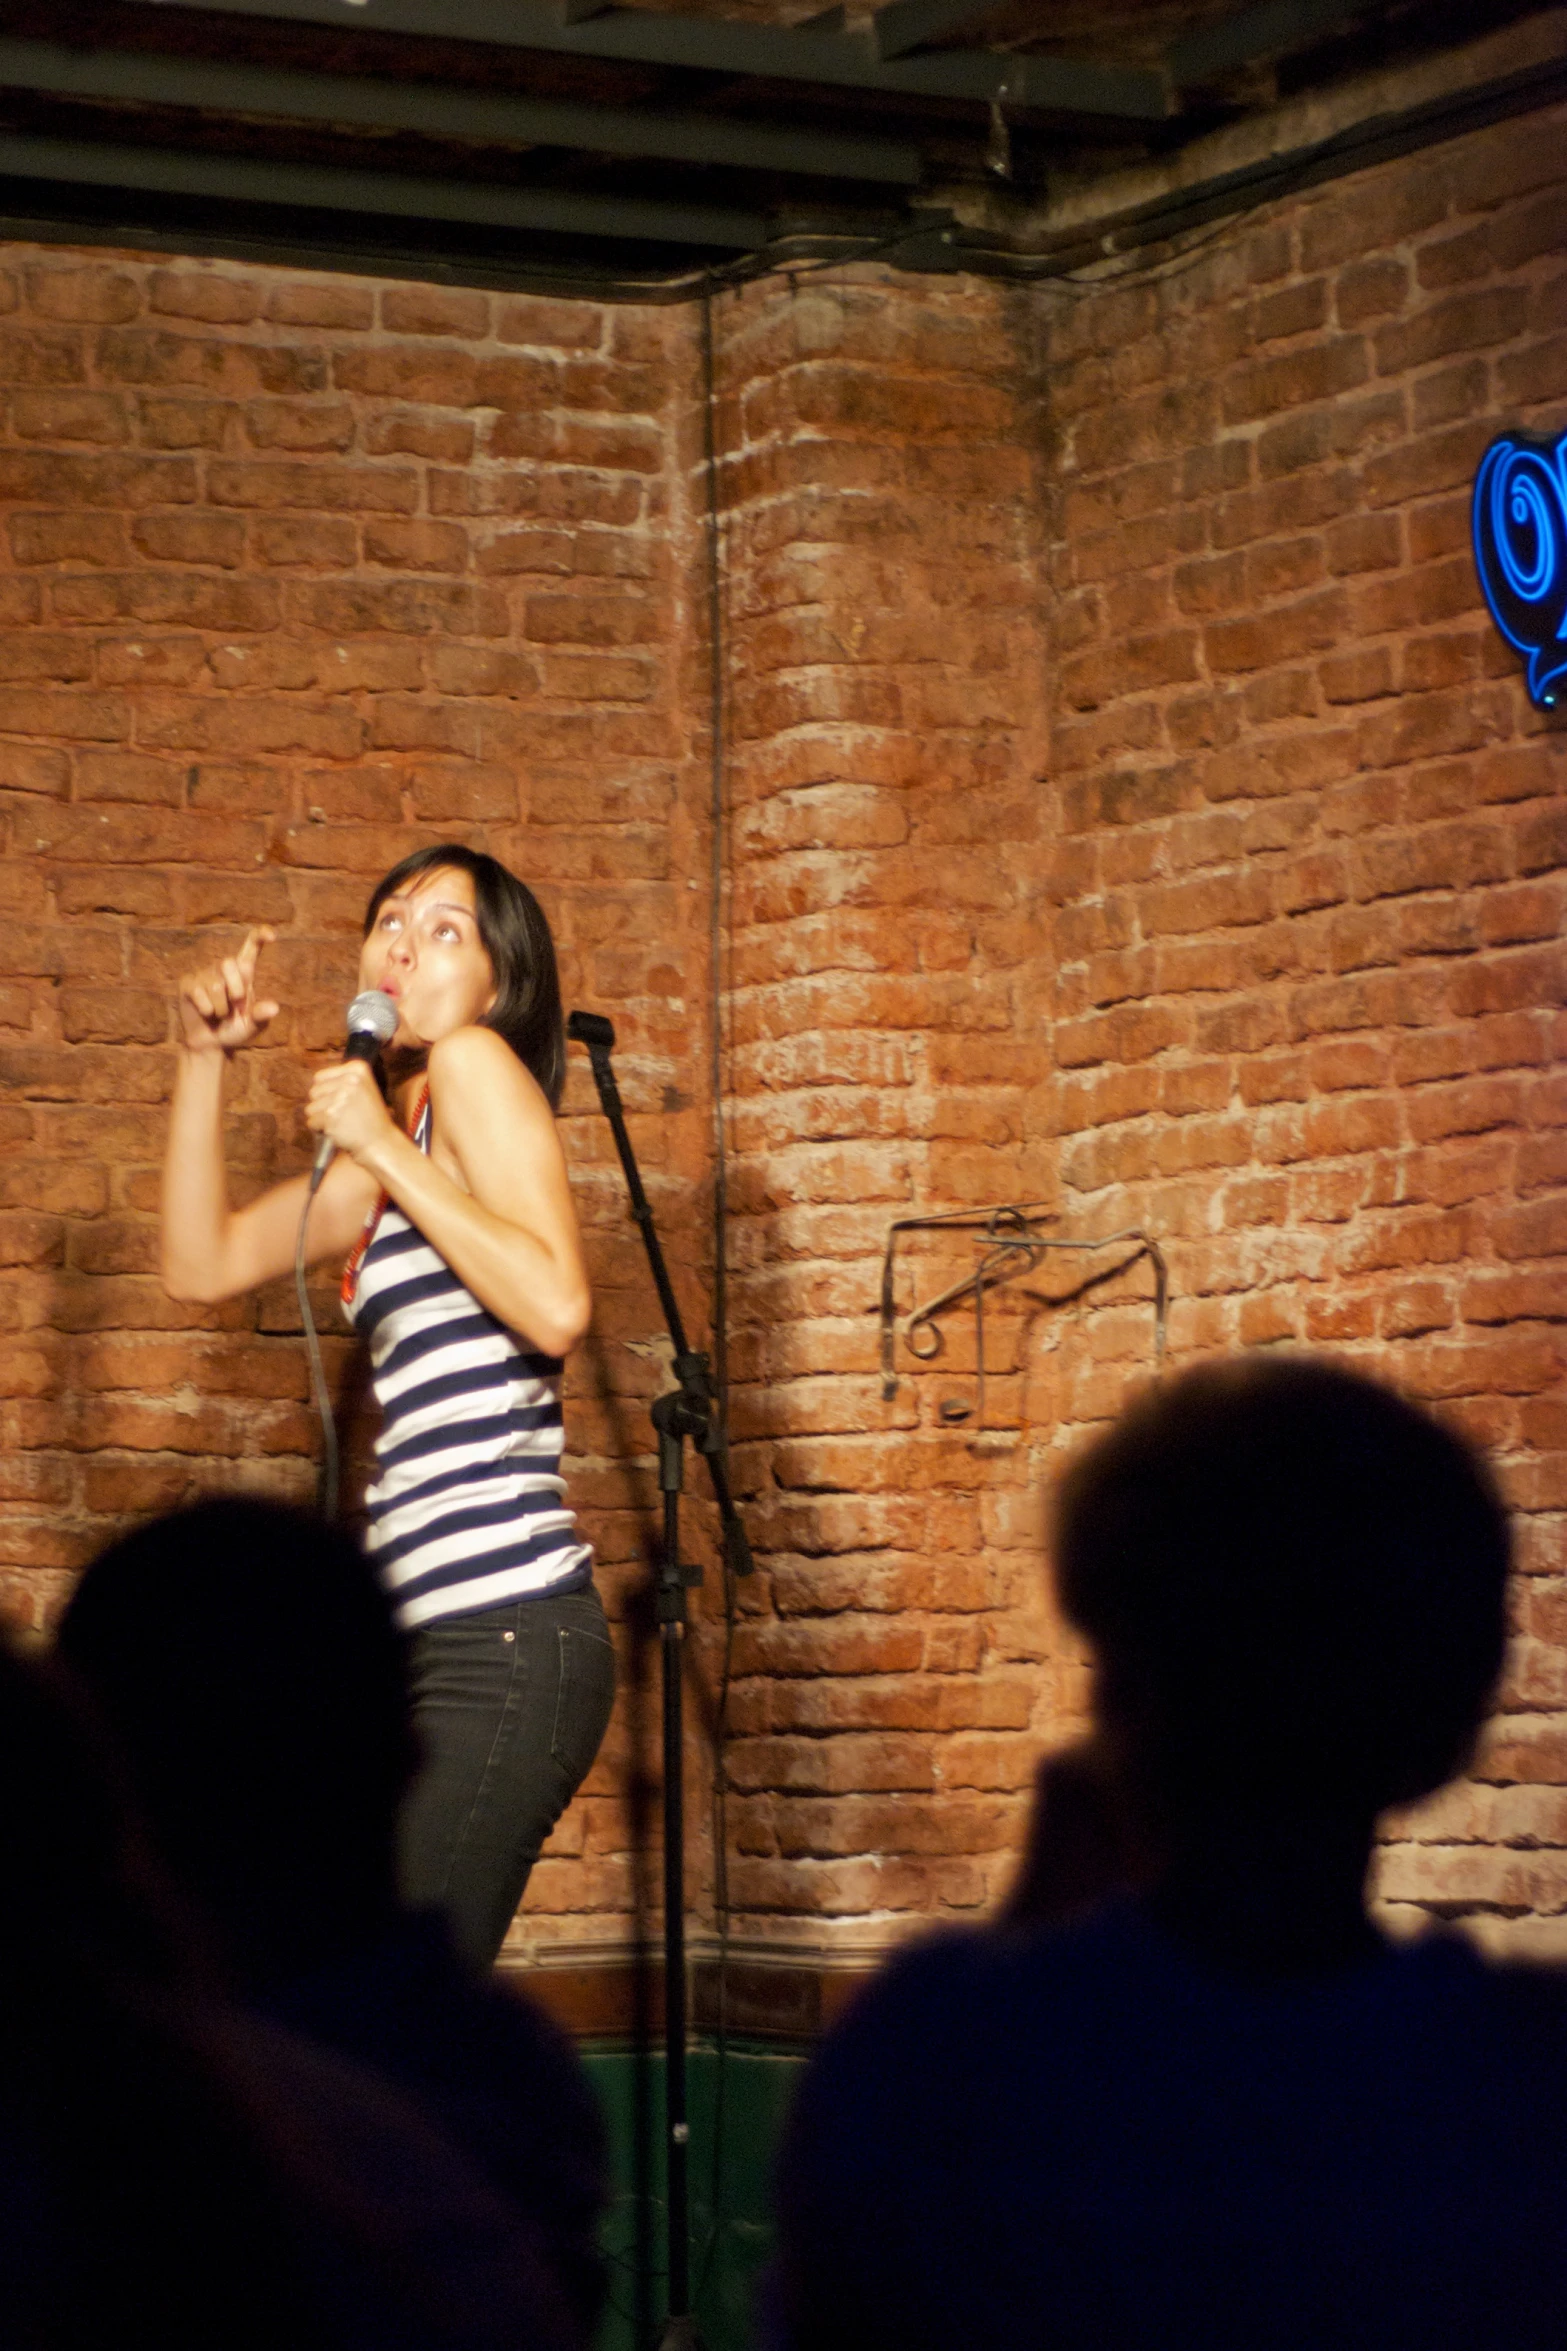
(510, 1704)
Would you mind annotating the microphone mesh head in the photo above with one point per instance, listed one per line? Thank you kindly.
(373, 1014)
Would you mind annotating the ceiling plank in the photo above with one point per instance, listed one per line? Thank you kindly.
(710, 45)
(909, 24)
(172, 171)
(450, 112)
(1271, 29)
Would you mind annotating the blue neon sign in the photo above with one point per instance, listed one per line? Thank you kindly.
(1520, 550)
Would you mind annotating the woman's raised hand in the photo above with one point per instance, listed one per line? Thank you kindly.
(219, 1008)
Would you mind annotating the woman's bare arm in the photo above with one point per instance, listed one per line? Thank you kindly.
(503, 1218)
(211, 1251)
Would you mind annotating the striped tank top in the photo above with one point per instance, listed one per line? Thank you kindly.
(468, 1506)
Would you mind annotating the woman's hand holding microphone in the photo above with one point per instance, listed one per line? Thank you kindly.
(344, 1105)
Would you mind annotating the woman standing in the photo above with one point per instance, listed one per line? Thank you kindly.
(467, 1280)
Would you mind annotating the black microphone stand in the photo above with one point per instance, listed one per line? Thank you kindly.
(690, 1409)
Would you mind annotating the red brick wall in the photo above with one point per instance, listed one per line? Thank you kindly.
(888, 1032)
(1249, 937)
(1131, 809)
(299, 572)
(1309, 968)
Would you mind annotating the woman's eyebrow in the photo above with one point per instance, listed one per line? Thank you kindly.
(435, 906)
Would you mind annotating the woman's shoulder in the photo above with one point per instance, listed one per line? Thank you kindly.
(482, 1098)
(474, 1058)
(470, 1047)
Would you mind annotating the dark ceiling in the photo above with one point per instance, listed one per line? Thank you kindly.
(650, 151)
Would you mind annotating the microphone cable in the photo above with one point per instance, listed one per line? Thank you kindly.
(326, 1475)
(372, 1019)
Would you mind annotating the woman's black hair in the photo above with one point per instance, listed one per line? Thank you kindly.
(516, 938)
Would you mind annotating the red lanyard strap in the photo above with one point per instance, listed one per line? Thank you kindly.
(356, 1255)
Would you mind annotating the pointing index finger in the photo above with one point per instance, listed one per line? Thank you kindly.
(261, 935)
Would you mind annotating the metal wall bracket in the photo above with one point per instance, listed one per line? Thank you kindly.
(1010, 1242)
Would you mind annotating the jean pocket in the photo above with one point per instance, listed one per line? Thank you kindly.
(583, 1699)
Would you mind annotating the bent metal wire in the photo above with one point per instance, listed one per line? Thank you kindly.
(1010, 1243)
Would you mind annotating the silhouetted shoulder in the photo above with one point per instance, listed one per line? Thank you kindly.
(1089, 2121)
(490, 2066)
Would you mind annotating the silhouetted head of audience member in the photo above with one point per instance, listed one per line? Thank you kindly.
(175, 2170)
(1293, 1581)
(138, 2188)
(245, 1660)
(92, 1907)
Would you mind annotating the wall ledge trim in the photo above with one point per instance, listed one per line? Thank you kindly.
(788, 1993)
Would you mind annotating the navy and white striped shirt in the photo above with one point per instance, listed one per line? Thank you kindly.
(468, 1509)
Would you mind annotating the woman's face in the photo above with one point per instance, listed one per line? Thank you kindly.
(424, 950)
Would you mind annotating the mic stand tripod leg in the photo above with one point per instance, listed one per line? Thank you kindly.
(670, 1419)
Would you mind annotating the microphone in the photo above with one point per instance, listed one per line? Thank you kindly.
(372, 1023)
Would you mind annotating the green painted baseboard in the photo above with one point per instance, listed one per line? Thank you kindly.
(737, 2109)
